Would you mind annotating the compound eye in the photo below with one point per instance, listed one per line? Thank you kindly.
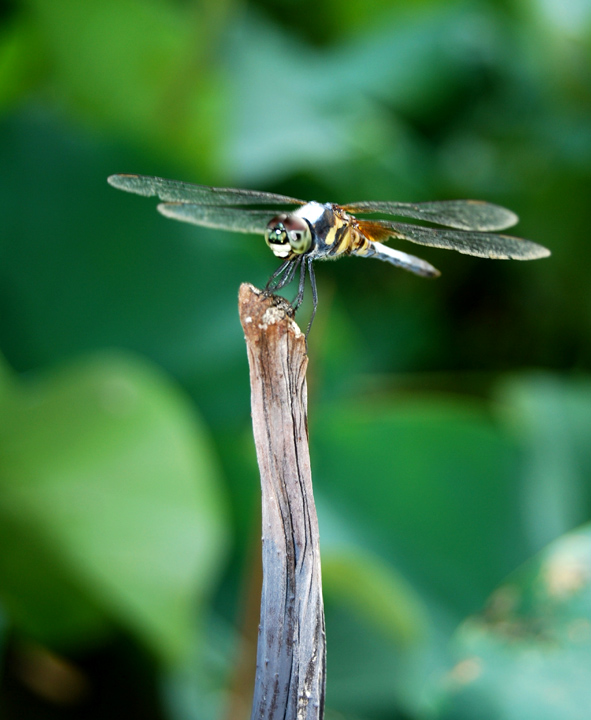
(298, 232)
(276, 236)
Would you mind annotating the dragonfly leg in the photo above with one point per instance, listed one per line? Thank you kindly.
(301, 286)
(285, 273)
(289, 274)
(275, 278)
(314, 294)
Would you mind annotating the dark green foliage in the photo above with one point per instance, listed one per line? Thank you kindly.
(450, 419)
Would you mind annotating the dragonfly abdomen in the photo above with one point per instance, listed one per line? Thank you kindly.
(337, 234)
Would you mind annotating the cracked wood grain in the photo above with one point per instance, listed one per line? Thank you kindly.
(290, 674)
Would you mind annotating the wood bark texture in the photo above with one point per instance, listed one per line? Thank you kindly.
(290, 674)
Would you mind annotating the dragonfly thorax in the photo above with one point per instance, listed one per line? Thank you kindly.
(287, 234)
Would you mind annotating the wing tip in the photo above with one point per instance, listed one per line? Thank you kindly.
(129, 182)
(115, 180)
(503, 218)
(166, 209)
(536, 252)
(512, 217)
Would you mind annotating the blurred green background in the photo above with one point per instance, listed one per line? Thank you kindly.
(450, 420)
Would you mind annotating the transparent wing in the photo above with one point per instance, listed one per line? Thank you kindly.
(177, 191)
(461, 214)
(480, 244)
(221, 218)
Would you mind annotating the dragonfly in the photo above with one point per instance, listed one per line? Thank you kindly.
(313, 231)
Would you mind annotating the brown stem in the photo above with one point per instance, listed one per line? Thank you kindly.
(290, 673)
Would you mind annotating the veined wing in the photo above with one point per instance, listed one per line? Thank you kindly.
(461, 214)
(480, 244)
(178, 192)
(221, 218)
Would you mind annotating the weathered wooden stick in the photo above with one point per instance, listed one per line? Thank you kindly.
(290, 675)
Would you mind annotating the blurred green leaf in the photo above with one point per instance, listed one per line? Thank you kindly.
(335, 100)
(19, 68)
(354, 14)
(139, 68)
(433, 481)
(109, 506)
(111, 272)
(334, 111)
(7, 380)
(376, 592)
(551, 419)
(528, 656)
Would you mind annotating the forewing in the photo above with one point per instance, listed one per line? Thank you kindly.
(177, 191)
(461, 214)
(480, 244)
(221, 218)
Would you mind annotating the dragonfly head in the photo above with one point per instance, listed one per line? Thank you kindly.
(288, 234)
